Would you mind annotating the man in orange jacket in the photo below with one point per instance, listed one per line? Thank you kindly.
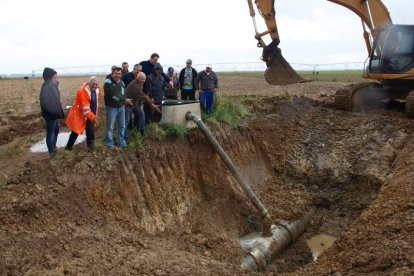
(83, 115)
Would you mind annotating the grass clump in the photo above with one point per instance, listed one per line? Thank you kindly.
(228, 110)
(285, 96)
(154, 131)
(135, 139)
(174, 130)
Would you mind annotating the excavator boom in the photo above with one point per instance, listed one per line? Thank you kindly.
(373, 14)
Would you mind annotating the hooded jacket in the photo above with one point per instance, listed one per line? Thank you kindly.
(50, 97)
(148, 68)
(154, 86)
(81, 109)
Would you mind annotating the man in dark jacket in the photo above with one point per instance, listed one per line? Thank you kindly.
(187, 81)
(130, 76)
(208, 82)
(112, 70)
(51, 108)
(148, 66)
(125, 67)
(154, 87)
(134, 91)
(115, 100)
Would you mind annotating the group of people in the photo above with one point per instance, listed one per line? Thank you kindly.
(132, 99)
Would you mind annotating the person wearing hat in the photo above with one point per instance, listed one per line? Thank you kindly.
(154, 87)
(187, 81)
(171, 92)
(207, 82)
(51, 108)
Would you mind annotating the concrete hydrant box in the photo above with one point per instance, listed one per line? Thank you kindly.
(173, 111)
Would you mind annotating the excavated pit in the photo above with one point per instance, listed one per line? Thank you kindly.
(173, 208)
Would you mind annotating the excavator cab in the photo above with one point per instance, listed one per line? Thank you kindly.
(393, 52)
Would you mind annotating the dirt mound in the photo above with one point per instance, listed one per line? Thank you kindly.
(12, 127)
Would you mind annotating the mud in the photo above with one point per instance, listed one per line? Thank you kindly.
(171, 207)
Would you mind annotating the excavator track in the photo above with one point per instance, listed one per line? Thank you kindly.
(345, 97)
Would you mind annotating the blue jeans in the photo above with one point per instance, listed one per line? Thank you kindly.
(207, 99)
(112, 114)
(52, 131)
(139, 119)
(138, 122)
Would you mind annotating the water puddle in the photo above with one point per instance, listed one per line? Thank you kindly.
(320, 243)
(61, 142)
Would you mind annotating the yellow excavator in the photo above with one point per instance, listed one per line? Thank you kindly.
(390, 62)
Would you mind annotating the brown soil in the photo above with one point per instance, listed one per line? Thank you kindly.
(172, 207)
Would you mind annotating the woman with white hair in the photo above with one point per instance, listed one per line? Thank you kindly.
(83, 115)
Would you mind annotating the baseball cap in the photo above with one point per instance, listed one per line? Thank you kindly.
(189, 61)
(170, 69)
(209, 66)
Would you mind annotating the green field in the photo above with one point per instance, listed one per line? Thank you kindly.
(322, 76)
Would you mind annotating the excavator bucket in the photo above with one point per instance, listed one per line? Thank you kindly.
(279, 71)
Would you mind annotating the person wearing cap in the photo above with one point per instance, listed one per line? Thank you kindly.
(83, 116)
(51, 108)
(134, 91)
(154, 87)
(171, 92)
(187, 81)
(115, 100)
(207, 82)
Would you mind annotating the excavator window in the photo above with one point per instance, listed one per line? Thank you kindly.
(394, 50)
(397, 50)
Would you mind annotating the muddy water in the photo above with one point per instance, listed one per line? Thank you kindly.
(319, 244)
(61, 142)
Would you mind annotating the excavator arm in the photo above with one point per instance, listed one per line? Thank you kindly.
(373, 14)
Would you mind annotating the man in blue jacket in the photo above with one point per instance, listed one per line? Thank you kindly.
(51, 108)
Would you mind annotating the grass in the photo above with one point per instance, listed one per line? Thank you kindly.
(156, 131)
(135, 139)
(286, 96)
(321, 76)
(229, 110)
(174, 130)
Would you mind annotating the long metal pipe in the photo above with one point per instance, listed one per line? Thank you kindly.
(266, 219)
(261, 251)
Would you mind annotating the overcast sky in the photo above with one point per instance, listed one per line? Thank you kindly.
(35, 34)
